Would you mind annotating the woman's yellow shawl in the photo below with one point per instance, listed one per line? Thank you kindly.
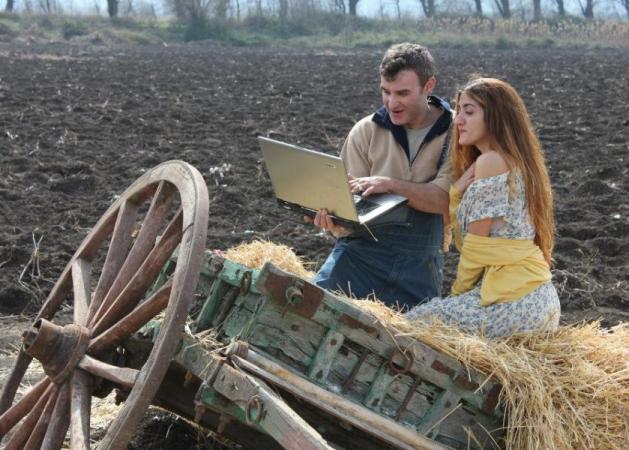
(508, 269)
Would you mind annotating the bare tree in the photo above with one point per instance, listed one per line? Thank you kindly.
(49, 6)
(339, 6)
(190, 9)
(283, 13)
(504, 8)
(587, 9)
(397, 9)
(428, 6)
(561, 9)
(537, 10)
(625, 3)
(112, 8)
(352, 7)
(220, 9)
(479, 8)
(127, 8)
(9, 6)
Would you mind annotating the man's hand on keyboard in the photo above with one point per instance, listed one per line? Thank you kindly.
(324, 221)
(366, 186)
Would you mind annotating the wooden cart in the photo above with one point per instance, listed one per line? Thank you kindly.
(267, 359)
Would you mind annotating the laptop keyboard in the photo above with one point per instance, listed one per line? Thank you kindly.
(364, 206)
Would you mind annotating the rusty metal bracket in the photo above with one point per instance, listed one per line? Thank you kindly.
(255, 411)
(350, 379)
(407, 398)
(408, 358)
(226, 304)
(290, 292)
(245, 282)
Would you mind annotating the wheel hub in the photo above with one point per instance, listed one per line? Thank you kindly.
(59, 349)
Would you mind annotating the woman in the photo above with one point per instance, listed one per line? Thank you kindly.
(502, 214)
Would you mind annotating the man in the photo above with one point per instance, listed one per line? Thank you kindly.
(400, 149)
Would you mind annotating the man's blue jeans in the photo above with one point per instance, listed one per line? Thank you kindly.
(404, 267)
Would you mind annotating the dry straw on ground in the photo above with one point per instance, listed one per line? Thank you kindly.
(563, 390)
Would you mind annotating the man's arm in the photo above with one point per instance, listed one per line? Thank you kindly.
(427, 197)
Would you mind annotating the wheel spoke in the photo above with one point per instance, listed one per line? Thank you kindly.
(14, 414)
(59, 421)
(133, 321)
(37, 434)
(142, 279)
(81, 273)
(118, 249)
(80, 411)
(26, 429)
(123, 376)
(141, 248)
(57, 295)
(12, 382)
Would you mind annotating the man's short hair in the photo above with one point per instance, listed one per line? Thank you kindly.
(407, 56)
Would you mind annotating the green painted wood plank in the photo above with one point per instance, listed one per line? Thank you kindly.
(379, 387)
(325, 356)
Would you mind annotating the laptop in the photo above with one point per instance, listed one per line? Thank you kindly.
(306, 181)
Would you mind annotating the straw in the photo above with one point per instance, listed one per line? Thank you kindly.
(255, 254)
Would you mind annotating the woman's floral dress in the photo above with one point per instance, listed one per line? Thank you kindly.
(539, 310)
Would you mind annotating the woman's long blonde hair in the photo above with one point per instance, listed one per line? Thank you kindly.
(511, 135)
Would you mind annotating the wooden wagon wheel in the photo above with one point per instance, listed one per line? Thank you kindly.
(134, 238)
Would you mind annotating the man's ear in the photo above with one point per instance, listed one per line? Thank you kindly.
(429, 85)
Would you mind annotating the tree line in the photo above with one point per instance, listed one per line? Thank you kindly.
(234, 9)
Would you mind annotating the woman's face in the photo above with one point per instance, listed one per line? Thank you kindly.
(470, 123)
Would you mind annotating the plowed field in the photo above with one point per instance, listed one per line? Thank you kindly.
(79, 124)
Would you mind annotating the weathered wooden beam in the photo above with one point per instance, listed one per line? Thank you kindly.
(354, 414)
(267, 411)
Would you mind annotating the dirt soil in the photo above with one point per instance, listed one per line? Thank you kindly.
(80, 123)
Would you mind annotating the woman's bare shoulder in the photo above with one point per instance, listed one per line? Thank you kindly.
(490, 164)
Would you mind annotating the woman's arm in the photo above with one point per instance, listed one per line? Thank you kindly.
(488, 164)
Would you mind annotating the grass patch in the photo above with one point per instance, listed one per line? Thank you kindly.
(319, 29)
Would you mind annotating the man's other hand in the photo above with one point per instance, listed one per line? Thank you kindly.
(324, 221)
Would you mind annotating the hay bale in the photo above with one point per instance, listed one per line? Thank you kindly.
(567, 389)
(255, 254)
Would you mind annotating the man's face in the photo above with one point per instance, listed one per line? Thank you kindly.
(405, 98)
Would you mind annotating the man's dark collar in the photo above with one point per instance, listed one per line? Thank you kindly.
(381, 117)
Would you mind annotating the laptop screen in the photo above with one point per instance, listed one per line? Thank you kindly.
(308, 178)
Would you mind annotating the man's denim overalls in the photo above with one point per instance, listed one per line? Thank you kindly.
(405, 266)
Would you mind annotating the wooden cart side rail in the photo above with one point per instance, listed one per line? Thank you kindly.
(209, 366)
(354, 414)
(363, 328)
(341, 317)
